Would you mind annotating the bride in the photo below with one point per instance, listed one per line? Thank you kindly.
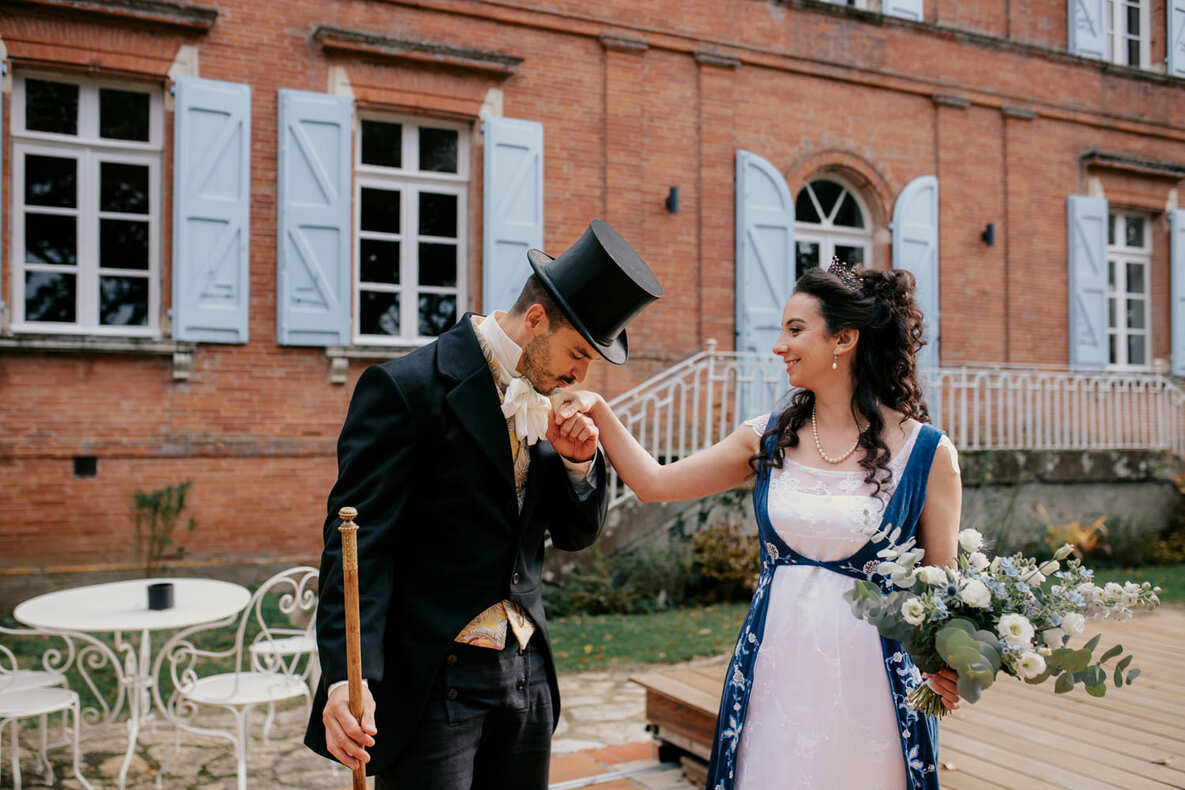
(813, 697)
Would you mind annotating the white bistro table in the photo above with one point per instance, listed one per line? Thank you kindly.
(122, 607)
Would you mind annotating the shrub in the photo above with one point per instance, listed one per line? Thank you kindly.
(156, 515)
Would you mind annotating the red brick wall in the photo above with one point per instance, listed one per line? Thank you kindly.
(665, 101)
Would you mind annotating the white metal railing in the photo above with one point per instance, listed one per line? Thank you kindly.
(697, 402)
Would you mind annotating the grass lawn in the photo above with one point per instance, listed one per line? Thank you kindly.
(1171, 578)
(612, 640)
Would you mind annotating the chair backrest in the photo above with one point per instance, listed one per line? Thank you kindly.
(7, 667)
(283, 615)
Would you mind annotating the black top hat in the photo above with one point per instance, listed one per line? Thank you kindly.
(600, 283)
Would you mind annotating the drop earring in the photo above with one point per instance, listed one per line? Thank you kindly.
(835, 359)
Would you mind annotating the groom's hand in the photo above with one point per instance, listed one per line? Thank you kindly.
(345, 738)
(574, 437)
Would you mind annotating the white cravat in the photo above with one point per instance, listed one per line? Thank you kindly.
(528, 408)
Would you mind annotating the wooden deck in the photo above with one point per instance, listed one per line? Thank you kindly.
(1015, 737)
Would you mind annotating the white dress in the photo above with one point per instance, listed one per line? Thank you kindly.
(821, 711)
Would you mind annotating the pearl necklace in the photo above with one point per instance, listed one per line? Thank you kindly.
(819, 445)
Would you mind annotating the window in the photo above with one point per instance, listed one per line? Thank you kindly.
(1129, 258)
(412, 180)
(1127, 32)
(830, 220)
(85, 206)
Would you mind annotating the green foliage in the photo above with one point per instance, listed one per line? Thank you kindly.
(649, 579)
(156, 515)
(727, 558)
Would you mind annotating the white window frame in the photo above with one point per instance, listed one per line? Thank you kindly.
(89, 150)
(827, 234)
(1119, 255)
(409, 180)
(1116, 24)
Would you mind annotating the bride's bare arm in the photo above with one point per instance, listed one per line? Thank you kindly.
(721, 467)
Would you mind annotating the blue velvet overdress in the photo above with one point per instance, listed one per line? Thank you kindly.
(919, 734)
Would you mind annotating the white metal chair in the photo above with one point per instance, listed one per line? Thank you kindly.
(266, 666)
(21, 699)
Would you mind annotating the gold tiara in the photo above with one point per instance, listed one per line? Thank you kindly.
(848, 273)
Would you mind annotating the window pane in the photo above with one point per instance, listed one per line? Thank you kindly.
(51, 107)
(50, 238)
(123, 301)
(382, 144)
(849, 213)
(51, 181)
(1135, 350)
(380, 313)
(380, 210)
(438, 313)
(49, 296)
(438, 215)
(438, 265)
(1133, 20)
(123, 244)
(1135, 232)
(1135, 278)
(1133, 55)
(827, 192)
(851, 255)
(807, 254)
(1135, 313)
(1110, 228)
(1111, 275)
(379, 261)
(804, 209)
(1112, 313)
(438, 150)
(123, 115)
(123, 188)
(1113, 350)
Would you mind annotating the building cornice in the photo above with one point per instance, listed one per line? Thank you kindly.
(415, 51)
(160, 13)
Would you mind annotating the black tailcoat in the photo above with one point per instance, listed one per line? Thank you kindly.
(424, 455)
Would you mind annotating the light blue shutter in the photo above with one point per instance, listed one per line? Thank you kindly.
(1088, 32)
(1176, 38)
(915, 249)
(512, 207)
(1177, 278)
(313, 231)
(906, 9)
(1087, 259)
(765, 252)
(211, 210)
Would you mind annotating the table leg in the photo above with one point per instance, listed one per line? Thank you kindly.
(136, 668)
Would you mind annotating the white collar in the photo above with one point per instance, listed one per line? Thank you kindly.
(506, 352)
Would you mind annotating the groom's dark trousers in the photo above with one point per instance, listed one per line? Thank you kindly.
(424, 455)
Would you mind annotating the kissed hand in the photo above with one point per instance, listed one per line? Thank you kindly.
(574, 437)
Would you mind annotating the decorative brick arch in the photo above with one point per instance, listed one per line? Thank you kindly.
(861, 175)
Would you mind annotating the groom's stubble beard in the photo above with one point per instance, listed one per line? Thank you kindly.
(536, 354)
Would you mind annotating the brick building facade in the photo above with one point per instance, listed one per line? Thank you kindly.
(215, 216)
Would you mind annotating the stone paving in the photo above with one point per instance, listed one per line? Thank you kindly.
(602, 730)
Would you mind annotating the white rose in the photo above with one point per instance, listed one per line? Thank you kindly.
(1112, 590)
(978, 561)
(970, 540)
(913, 611)
(975, 593)
(1015, 629)
(1073, 623)
(1053, 637)
(1030, 665)
(933, 575)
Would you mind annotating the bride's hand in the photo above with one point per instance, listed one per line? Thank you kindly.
(567, 403)
(946, 683)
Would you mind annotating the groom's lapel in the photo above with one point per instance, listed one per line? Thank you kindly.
(474, 398)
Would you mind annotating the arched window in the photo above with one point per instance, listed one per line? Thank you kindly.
(830, 219)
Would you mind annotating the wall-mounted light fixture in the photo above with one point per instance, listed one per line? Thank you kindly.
(673, 200)
(989, 234)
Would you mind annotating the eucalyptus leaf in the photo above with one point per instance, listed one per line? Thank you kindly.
(962, 624)
(1064, 683)
(1097, 690)
(969, 688)
(1110, 654)
(1123, 663)
(1135, 673)
(1093, 643)
(1044, 676)
(1118, 678)
(1093, 676)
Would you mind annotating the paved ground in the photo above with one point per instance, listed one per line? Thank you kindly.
(601, 734)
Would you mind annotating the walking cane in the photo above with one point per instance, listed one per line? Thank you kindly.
(348, 530)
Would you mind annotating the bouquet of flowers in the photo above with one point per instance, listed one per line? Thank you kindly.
(1011, 614)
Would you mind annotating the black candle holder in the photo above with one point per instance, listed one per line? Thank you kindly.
(160, 595)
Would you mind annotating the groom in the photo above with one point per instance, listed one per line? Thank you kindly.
(459, 473)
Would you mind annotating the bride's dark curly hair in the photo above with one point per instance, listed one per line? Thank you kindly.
(880, 304)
